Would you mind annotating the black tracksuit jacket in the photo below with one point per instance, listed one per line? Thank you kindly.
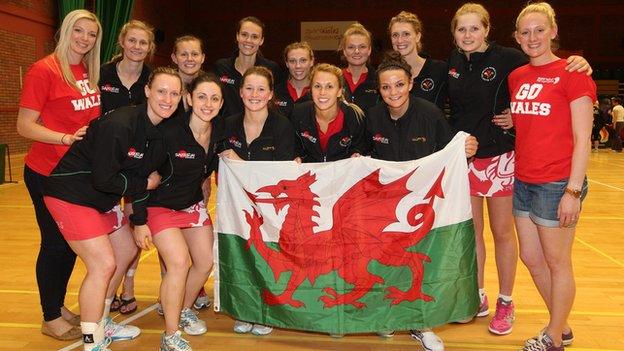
(284, 102)
(366, 95)
(340, 146)
(430, 84)
(478, 91)
(115, 94)
(114, 159)
(276, 142)
(421, 131)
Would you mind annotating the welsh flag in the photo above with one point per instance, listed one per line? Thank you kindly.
(358, 245)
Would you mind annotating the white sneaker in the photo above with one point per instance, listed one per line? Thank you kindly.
(100, 346)
(242, 327)
(259, 329)
(174, 342)
(202, 301)
(119, 331)
(191, 324)
(385, 333)
(428, 339)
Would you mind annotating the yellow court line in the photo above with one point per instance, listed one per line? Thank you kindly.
(600, 252)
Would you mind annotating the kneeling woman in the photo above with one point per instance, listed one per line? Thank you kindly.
(177, 220)
(113, 160)
(412, 128)
(258, 134)
(328, 127)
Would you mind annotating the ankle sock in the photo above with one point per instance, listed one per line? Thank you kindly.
(505, 298)
(482, 295)
(92, 334)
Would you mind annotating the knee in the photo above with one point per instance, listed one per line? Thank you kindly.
(559, 264)
(532, 261)
(104, 267)
(179, 264)
(203, 267)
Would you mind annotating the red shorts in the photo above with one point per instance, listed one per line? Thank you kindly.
(161, 218)
(78, 222)
(492, 176)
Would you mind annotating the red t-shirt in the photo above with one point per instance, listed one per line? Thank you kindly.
(540, 107)
(62, 108)
(349, 78)
(293, 92)
(334, 127)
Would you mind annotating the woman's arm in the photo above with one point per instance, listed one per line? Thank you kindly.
(582, 117)
(29, 127)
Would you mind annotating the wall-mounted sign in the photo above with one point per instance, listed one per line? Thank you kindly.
(323, 35)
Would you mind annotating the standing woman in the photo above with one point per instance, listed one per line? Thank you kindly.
(58, 100)
(355, 47)
(429, 75)
(178, 222)
(188, 55)
(257, 134)
(122, 83)
(412, 128)
(299, 59)
(552, 114)
(114, 159)
(328, 127)
(123, 79)
(249, 38)
(479, 100)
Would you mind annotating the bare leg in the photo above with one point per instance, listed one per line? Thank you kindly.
(200, 242)
(476, 203)
(505, 242)
(125, 250)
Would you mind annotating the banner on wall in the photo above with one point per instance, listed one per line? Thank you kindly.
(324, 35)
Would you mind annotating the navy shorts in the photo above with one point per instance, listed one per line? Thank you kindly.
(541, 201)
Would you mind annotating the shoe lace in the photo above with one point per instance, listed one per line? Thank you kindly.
(189, 316)
(178, 341)
(111, 327)
(102, 345)
(503, 311)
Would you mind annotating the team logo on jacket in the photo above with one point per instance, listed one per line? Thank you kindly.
(380, 139)
(132, 153)
(345, 141)
(281, 103)
(235, 142)
(226, 80)
(185, 155)
(109, 88)
(453, 73)
(427, 84)
(308, 135)
(488, 73)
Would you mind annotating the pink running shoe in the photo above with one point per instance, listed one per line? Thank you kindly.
(484, 308)
(503, 319)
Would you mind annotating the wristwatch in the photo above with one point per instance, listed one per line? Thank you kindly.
(574, 192)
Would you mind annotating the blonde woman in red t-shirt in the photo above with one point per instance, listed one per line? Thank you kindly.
(552, 111)
(58, 100)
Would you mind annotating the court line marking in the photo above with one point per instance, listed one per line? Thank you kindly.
(604, 184)
(595, 249)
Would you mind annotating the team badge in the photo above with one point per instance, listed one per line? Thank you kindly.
(427, 84)
(308, 135)
(235, 142)
(453, 73)
(185, 155)
(488, 74)
(132, 153)
(380, 139)
(345, 141)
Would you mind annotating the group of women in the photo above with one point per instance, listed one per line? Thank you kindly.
(159, 135)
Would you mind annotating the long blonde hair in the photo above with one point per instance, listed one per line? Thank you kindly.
(91, 58)
(337, 72)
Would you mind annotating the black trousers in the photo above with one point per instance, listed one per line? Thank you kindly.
(56, 259)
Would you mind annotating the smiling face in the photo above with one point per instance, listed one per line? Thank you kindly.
(394, 87)
(249, 38)
(188, 57)
(326, 90)
(357, 50)
(206, 101)
(83, 37)
(299, 63)
(256, 92)
(135, 45)
(163, 96)
(534, 34)
(470, 33)
(404, 38)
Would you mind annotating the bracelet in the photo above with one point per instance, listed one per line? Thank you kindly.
(62, 139)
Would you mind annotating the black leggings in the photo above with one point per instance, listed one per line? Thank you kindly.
(56, 259)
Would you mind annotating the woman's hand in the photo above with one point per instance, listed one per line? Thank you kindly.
(568, 210)
(503, 120)
(578, 64)
(142, 236)
(231, 154)
(78, 135)
(471, 146)
(356, 154)
(153, 181)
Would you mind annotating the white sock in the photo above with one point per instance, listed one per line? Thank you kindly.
(130, 273)
(92, 334)
(505, 298)
(482, 295)
(107, 305)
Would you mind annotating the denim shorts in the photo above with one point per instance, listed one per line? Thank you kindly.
(541, 201)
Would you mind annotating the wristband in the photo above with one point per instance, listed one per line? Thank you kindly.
(63, 139)
(574, 192)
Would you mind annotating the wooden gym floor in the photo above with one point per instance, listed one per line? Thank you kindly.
(597, 317)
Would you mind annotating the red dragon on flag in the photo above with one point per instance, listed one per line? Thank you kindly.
(357, 237)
